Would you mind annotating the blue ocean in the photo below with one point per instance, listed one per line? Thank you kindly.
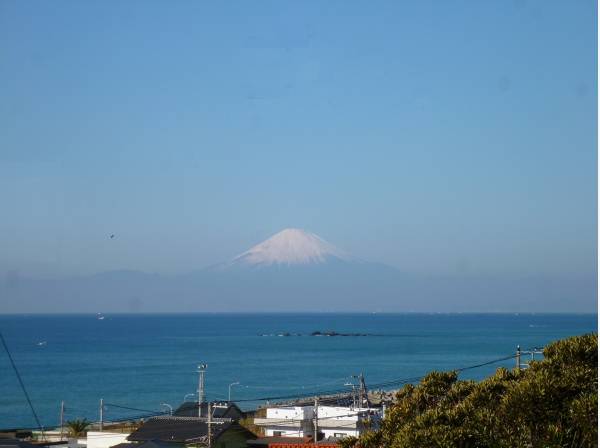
(139, 363)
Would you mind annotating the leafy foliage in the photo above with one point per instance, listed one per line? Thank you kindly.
(553, 403)
(78, 427)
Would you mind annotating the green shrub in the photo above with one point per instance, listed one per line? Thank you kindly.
(553, 403)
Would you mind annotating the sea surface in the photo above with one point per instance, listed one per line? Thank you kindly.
(143, 361)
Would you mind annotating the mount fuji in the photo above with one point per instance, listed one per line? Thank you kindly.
(294, 270)
(290, 247)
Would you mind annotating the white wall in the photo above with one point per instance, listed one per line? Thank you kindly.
(341, 413)
(292, 412)
(105, 439)
(76, 443)
(338, 413)
(334, 432)
(285, 432)
(336, 420)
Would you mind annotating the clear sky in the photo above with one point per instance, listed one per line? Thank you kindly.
(438, 137)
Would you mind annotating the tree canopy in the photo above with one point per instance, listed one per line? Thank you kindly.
(552, 403)
(78, 427)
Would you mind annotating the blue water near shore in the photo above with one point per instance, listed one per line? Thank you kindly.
(141, 361)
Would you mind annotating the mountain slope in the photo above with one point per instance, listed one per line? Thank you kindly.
(290, 247)
(295, 270)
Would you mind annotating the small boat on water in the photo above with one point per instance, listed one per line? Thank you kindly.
(100, 316)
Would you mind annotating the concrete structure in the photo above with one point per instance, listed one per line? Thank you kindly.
(340, 422)
(289, 421)
(332, 421)
(105, 439)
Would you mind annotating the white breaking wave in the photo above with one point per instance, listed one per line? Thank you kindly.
(289, 247)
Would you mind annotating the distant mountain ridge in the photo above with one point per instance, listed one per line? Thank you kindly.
(295, 270)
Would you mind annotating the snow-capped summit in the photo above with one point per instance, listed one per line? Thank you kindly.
(291, 247)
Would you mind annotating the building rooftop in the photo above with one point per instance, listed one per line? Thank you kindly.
(16, 443)
(182, 430)
(220, 409)
(149, 444)
(265, 441)
(285, 442)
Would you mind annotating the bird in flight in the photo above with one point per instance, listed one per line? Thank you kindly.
(112, 236)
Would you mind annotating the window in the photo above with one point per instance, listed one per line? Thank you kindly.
(339, 435)
(277, 433)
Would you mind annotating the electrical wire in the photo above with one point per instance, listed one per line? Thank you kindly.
(334, 396)
(396, 382)
(14, 366)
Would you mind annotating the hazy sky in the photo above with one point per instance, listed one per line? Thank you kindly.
(438, 137)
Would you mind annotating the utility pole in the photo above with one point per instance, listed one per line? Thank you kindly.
(362, 391)
(201, 370)
(209, 425)
(518, 357)
(101, 414)
(360, 396)
(62, 418)
(356, 391)
(316, 412)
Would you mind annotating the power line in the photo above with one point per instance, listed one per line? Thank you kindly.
(14, 366)
(333, 396)
(132, 409)
(396, 382)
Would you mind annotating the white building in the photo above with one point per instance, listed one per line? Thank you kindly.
(105, 439)
(341, 422)
(332, 421)
(289, 421)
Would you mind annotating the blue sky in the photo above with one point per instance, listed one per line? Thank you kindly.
(438, 137)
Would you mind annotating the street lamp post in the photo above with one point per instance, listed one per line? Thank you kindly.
(188, 395)
(232, 384)
(168, 406)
